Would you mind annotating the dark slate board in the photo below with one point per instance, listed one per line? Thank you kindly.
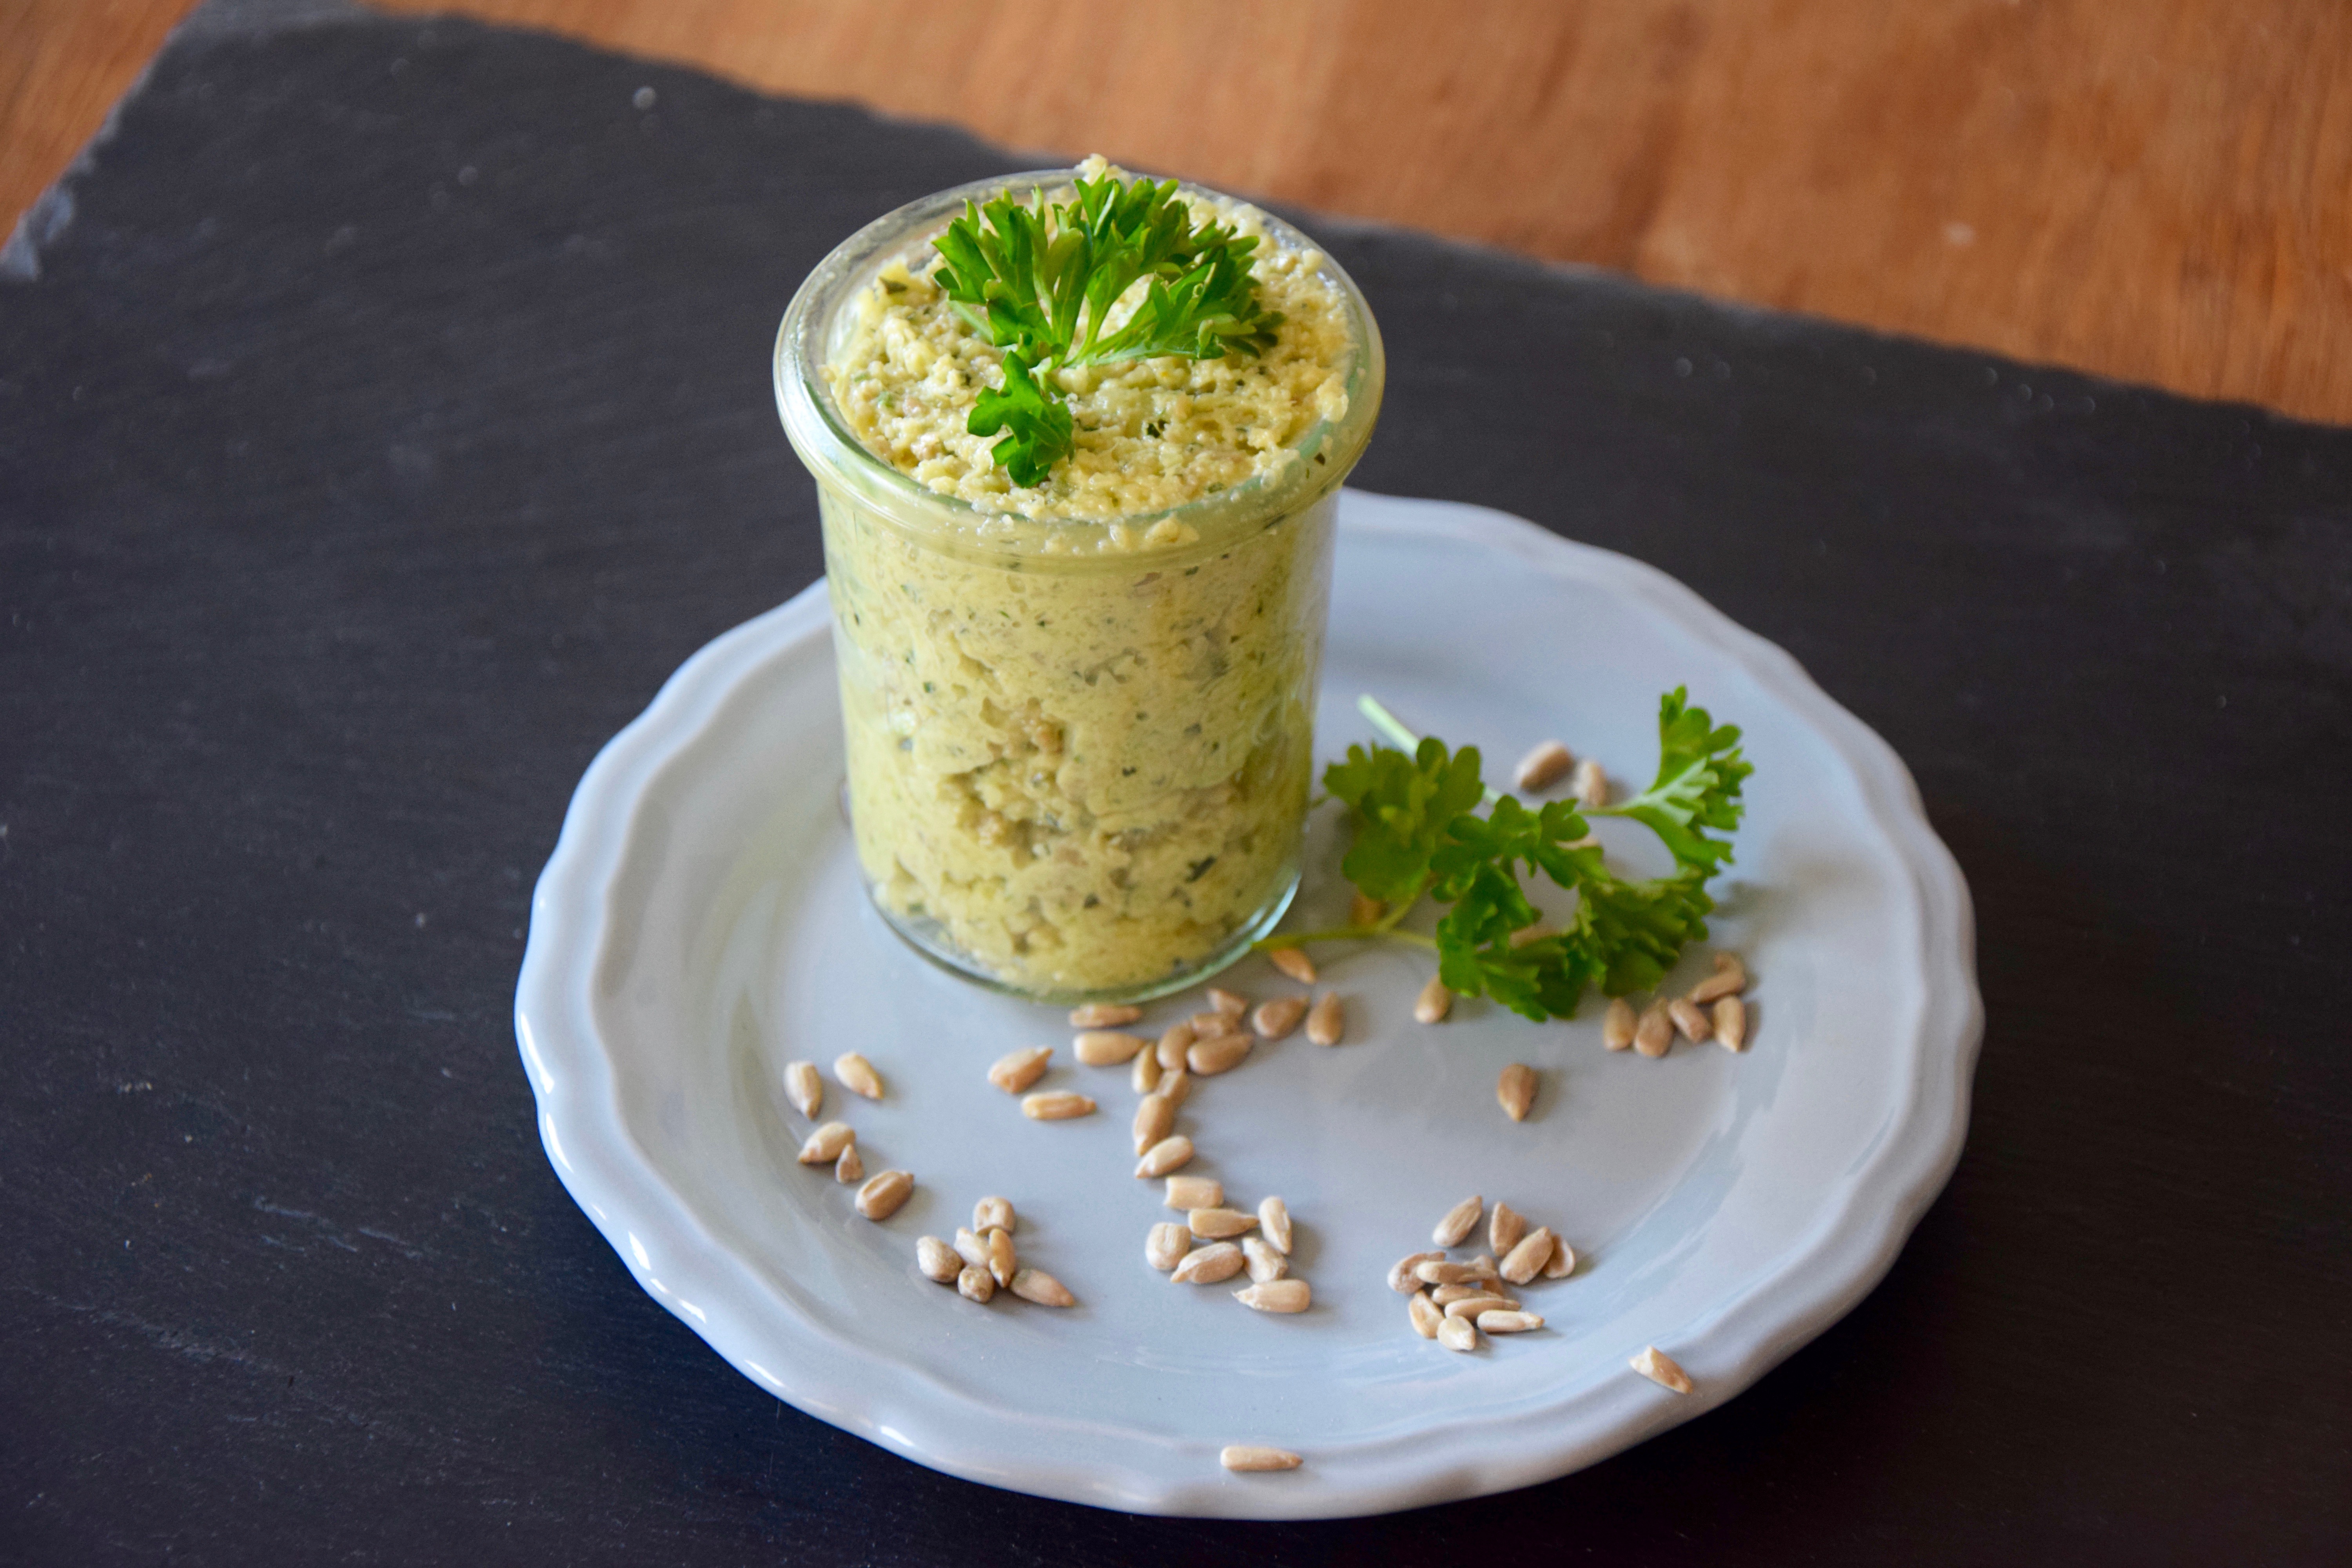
(390, 414)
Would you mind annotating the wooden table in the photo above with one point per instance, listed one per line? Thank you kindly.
(2158, 190)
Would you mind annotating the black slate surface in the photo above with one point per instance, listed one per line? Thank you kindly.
(390, 414)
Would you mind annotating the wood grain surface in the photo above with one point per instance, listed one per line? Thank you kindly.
(2159, 190)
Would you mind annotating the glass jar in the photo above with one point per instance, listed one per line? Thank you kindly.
(1079, 752)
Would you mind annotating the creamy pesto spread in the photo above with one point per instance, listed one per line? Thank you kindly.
(1083, 754)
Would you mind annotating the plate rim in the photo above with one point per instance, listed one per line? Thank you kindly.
(1853, 1242)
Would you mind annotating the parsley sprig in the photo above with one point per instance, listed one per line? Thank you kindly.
(1417, 833)
(1038, 279)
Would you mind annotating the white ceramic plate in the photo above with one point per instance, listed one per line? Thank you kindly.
(701, 924)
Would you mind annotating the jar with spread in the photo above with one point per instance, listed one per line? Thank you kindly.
(1078, 712)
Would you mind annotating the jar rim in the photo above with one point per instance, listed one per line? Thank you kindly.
(832, 453)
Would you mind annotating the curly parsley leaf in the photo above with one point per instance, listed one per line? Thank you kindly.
(1401, 806)
(1699, 774)
(1039, 280)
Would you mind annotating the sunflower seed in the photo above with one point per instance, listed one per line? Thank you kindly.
(1248, 1457)
(973, 1284)
(1106, 1047)
(1209, 1026)
(1592, 786)
(1036, 1285)
(1276, 1296)
(1364, 910)
(1691, 1019)
(1441, 1271)
(1508, 1321)
(880, 1198)
(1505, 1228)
(1218, 1224)
(1433, 1003)
(1017, 1071)
(1562, 1261)
(994, 1214)
(1404, 1279)
(971, 1248)
(1174, 1041)
(1659, 1368)
(1458, 1334)
(1155, 1117)
(1220, 1053)
(1190, 1193)
(824, 1145)
(805, 1089)
(1294, 961)
(1731, 1023)
(1265, 1262)
(1209, 1265)
(936, 1259)
(1426, 1316)
(857, 1074)
(1482, 1267)
(1166, 1245)
(1446, 1295)
(1544, 766)
(1326, 1020)
(1273, 1218)
(1168, 1154)
(1002, 1263)
(1459, 1221)
(1103, 1015)
(1653, 1031)
(1729, 979)
(1617, 1024)
(1055, 1105)
(1232, 1003)
(1275, 1019)
(1144, 1077)
(1471, 1306)
(1175, 1086)
(849, 1167)
(1515, 1090)
(1525, 1260)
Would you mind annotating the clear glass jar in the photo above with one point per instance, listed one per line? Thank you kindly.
(1079, 752)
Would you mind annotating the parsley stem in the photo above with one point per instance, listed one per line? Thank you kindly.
(1388, 724)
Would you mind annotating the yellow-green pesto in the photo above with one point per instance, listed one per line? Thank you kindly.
(1080, 726)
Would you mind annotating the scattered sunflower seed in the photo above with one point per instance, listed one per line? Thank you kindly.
(1218, 1224)
(805, 1089)
(1209, 1265)
(857, 1074)
(1471, 1306)
(1690, 1019)
(1591, 784)
(1482, 1267)
(1404, 1279)
(1249, 1457)
(1175, 1086)
(994, 1214)
(1145, 1076)
(1155, 1117)
(1055, 1105)
(1166, 1245)
(1190, 1193)
(1209, 1026)
(1525, 1260)
(1002, 1262)
(1036, 1285)
(1294, 961)
(1508, 1321)
(936, 1259)
(1168, 1154)
(1442, 1271)
(1275, 1019)
(1433, 1003)
(1446, 1295)
(1617, 1024)
(971, 1248)
(1364, 910)
(849, 1167)
(1729, 979)
(1276, 1296)
(1659, 1368)
(973, 1284)
(1106, 1047)
(1562, 1261)
(824, 1145)
(1220, 1053)
(1731, 1023)
(1544, 766)
(1426, 1316)
(1265, 1262)
(1103, 1015)
(1458, 1334)
(880, 1198)
(1326, 1020)
(1515, 1090)
(1459, 1221)
(1505, 1228)
(1232, 1003)
(1174, 1041)
(1274, 1219)
(1653, 1031)
(1017, 1071)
